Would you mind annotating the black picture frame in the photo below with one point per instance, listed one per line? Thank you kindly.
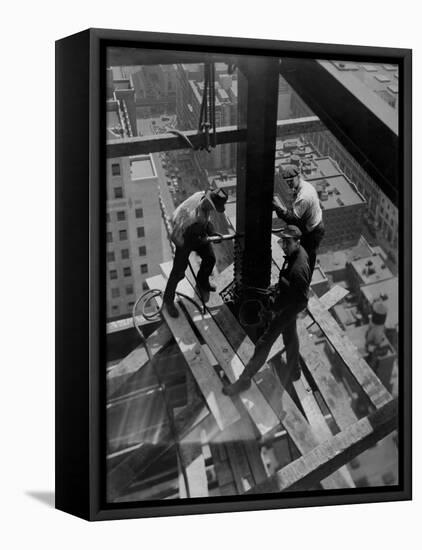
(80, 276)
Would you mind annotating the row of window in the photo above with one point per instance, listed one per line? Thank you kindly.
(127, 271)
(124, 253)
(115, 292)
(140, 233)
(121, 215)
(116, 309)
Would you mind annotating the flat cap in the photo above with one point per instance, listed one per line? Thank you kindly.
(291, 232)
(289, 171)
(219, 198)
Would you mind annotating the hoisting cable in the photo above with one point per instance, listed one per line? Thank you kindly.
(206, 122)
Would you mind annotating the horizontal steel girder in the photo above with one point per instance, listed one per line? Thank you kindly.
(143, 145)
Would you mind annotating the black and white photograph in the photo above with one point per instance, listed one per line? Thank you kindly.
(211, 275)
(253, 236)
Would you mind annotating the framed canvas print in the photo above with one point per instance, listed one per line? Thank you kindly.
(233, 274)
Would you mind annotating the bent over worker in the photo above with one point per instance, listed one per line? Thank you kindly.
(305, 213)
(191, 227)
(291, 297)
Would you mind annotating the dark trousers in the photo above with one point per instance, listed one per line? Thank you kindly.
(283, 323)
(180, 263)
(311, 241)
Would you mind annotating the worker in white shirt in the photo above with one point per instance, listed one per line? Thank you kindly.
(305, 212)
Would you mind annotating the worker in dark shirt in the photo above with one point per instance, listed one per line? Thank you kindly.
(191, 227)
(306, 212)
(290, 297)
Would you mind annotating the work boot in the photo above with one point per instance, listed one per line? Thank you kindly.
(296, 371)
(295, 374)
(171, 309)
(242, 384)
(207, 286)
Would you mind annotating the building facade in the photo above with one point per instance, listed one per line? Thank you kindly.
(134, 227)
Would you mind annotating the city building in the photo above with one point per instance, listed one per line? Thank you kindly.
(190, 90)
(155, 89)
(134, 227)
(284, 108)
(120, 105)
(320, 283)
(134, 220)
(366, 271)
(334, 263)
(388, 292)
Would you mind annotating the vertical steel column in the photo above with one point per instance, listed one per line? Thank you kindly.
(257, 112)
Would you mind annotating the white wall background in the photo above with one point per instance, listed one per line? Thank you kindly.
(29, 30)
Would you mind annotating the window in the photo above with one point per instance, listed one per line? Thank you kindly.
(118, 192)
(115, 169)
(140, 232)
(144, 268)
(121, 216)
(130, 305)
(129, 289)
(139, 213)
(115, 310)
(123, 235)
(115, 292)
(127, 271)
(110, 256)
(125, 253)
(145, 286)
(142, 250)
(113, 274)
(109, 237)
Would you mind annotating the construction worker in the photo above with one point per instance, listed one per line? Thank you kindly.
(191, 227)
(290, 297)
(306, 211)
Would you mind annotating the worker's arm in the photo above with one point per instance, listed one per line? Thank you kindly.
(211, 232)
(289, 215)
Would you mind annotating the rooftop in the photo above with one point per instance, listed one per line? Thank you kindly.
(318, 275)
(371, 270)
(142, 167)
(221, 97)
(337, 191)
(389, 291)
(323, 167)
(336, 260)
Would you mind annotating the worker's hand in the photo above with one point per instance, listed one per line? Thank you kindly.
(278, 209)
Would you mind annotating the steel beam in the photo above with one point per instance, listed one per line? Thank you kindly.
(362, 123)
(143, 145)
(257, 111)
